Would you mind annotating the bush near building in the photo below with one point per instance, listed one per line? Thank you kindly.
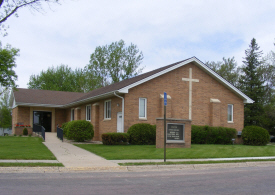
(142, 134)
(212, 135)
(65, 128)
(79, 130)
(256, 136)
(25, 131)
(115, 138)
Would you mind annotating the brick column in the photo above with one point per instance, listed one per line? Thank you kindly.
(160, 133)
(77, 113)
(215, 112)
(95, 121)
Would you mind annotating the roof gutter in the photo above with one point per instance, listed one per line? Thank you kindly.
(122, 110)
(88, 99)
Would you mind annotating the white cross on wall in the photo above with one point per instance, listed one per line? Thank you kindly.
(190, 90)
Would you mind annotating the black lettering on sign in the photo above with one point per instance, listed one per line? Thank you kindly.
(175, 132)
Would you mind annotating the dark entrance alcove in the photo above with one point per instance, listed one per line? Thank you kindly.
(44, 119)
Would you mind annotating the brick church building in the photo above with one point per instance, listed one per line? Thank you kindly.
(195, 92)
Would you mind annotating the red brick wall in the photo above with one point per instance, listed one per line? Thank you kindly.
(178, 106)
(100, 124)
(60, 116)
(172, 83)
(106, 126)
(23, 115)
(20, 115)
(14, 118)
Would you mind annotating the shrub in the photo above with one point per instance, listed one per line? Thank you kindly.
(115, 138)
(25, 131)
(142, 134)
(65, 128)
(80, 130)
(256, 136)
(212, 135)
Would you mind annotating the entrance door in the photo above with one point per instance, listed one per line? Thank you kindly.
(119, 122)
(44, 119)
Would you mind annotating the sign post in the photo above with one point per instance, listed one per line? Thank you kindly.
(165, 104)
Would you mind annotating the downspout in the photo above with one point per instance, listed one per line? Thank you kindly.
(122, 111)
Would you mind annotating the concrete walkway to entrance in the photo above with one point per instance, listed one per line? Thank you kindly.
(74, 157)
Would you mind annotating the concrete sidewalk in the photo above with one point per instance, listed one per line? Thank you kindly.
(74, 157)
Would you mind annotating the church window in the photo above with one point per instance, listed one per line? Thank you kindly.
(142, 108)
(230, 113)
(72, 114)
(88, 112)
(107, 109)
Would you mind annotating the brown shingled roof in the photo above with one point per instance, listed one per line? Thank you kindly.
(124, 83)
(61, 98)
(64, 99)
(35, 96)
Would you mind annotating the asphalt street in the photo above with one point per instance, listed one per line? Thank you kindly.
(241, 180)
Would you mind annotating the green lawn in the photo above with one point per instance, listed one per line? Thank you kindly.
(31, 165)
(195, 152)
(26, 148)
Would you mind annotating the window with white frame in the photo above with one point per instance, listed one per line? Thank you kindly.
(142, 108)
(230, 112)
(88, 113)
(72, 114)
(107, 109)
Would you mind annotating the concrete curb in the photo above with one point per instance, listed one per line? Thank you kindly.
(134, 168)
(199, 166)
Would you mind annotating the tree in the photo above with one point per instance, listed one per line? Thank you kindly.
(227, 69)
(5, 110)
(60, 78)
(10, 7)
(252, 85)
(7, 63)
(267, 71)
(113, 63)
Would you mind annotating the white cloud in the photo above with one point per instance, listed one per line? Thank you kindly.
(166, 31)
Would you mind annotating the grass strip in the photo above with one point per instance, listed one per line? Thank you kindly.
(191, 162)
(24, 148)
(197, 151)
(31, 165)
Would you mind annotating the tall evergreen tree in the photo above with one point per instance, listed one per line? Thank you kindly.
(252, 85)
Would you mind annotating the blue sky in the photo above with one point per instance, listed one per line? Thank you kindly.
(165, 31)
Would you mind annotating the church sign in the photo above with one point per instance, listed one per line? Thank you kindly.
(175, 133)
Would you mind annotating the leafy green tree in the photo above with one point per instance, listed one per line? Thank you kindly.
(227, 68)
(267, 71)
(60, 78)
(113, 63)
(251, 84)
(10, 7)
(5, 110)
(7, 63)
